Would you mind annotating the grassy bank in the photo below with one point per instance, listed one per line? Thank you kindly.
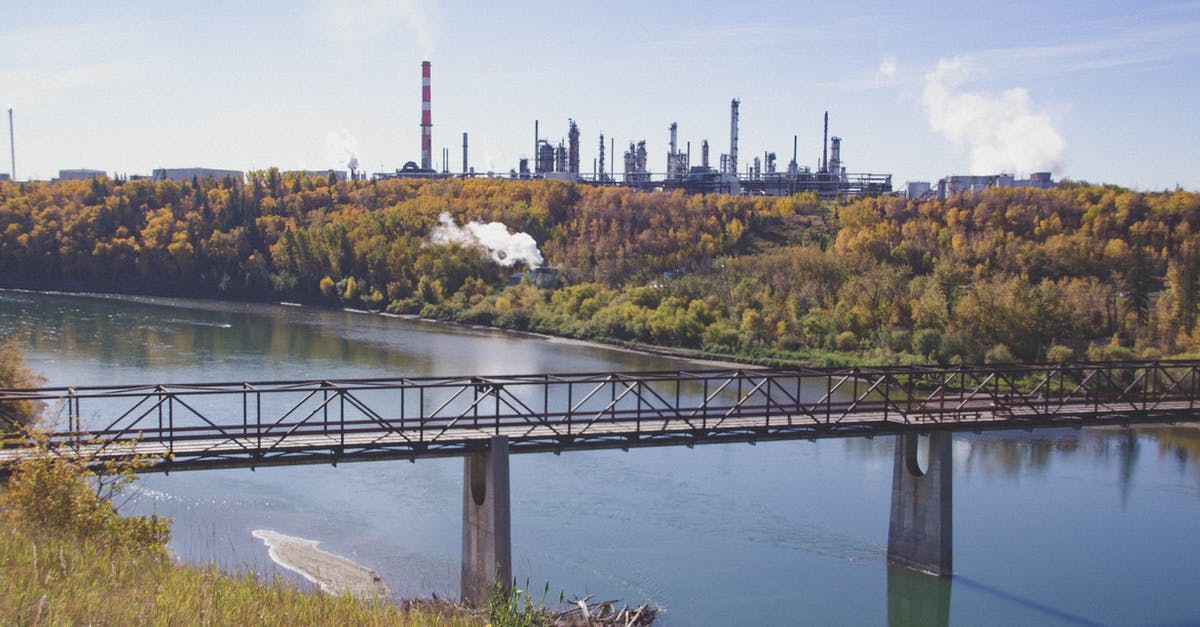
(68, 557)
(52, 579)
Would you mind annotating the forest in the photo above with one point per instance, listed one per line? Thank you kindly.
(1076, 272)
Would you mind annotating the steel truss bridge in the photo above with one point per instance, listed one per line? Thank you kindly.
(251, 424)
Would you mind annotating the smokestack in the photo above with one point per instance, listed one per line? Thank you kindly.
(733, 136)
(825, 146)
(12, 145)
(464, 170)
(704, 154)
(426, 120)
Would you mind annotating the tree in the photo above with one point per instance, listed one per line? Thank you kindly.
(14, 374)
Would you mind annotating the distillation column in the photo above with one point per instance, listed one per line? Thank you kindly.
(733, 136)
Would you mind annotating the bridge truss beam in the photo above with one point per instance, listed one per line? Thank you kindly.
(250, 424)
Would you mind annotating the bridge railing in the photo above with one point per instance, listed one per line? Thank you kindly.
(443, 414)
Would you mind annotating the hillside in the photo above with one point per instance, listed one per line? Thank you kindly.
(1079, 271)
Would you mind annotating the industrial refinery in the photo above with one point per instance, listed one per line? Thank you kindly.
(760, 176)
(764, 174)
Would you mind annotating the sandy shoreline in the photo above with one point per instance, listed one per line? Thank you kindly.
(331, 573)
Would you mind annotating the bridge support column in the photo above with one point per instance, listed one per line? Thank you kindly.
(919, 533)
(487, 535)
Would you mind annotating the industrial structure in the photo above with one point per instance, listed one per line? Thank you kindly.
(426, 120)
(761, 176)
(829, 180)
(956, 184)
(187, 174)
(562, 160)
(80, 174)
(12, 144)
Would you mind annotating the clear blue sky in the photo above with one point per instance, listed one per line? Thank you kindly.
(1102, 91)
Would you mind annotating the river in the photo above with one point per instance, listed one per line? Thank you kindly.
(1089, 527)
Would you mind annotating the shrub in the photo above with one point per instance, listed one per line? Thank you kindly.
(1059, 353)
(999, 354)
(845, 341)
(955, 348)
(55, 490)
(14, 374)
(926, 343)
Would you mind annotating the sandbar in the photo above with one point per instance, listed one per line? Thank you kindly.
(331, 573)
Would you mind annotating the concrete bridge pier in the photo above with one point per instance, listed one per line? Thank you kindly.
(919, 533)
(487, 534)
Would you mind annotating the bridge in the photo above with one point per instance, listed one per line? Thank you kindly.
(484, 419)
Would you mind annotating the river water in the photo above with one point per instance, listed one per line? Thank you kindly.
(1090, 527)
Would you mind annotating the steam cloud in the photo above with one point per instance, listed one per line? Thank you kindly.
(504, 248)
(359, 22)
(340, 147)
(1002, 132)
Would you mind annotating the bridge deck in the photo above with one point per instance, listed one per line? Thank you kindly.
(277, 423)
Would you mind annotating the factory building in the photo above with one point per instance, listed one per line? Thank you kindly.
(187, 174)
(951, 185)
(80, 174)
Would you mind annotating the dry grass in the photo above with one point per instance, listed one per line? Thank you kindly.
(67, 557)
(51, 580)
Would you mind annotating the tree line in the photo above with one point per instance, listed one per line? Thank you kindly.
(1076, 272)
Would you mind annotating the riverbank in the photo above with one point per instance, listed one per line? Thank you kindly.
(50, 579)
(700, 357)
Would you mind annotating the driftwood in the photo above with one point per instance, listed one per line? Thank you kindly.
(588, 613)
(579, 613)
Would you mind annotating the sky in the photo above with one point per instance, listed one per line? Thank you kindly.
(1100, 91)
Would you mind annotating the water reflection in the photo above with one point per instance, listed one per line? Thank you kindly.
(1182, 444)
(917, 599)
(1019, 453)
(196, 340)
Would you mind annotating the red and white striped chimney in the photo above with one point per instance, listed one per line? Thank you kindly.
(426, 120)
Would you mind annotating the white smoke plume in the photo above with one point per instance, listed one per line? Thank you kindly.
(340, 149)
(504, 248)
(364, 23)
(1002, 132)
